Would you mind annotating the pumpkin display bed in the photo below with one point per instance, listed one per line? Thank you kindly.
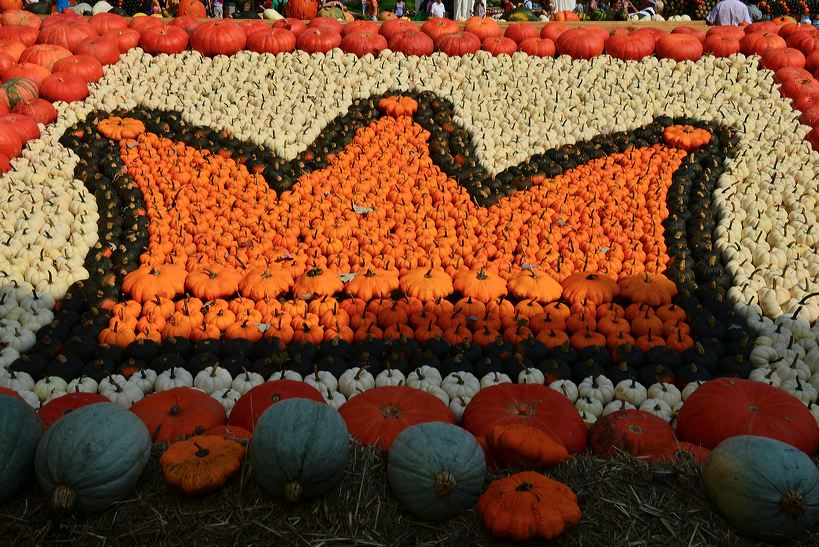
(368, 244)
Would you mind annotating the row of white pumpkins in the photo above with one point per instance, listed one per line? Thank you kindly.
(512, 106)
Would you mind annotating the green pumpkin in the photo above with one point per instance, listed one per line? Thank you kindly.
(92, 457)
(436, 470)
(20, 431)
(520, 14)
(334, 13)
(763, 487)
(299, 449)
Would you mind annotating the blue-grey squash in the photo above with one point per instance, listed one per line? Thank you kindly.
(92, 457)
(763, 487)
(20, 431)
(436, 470)
(299, 449)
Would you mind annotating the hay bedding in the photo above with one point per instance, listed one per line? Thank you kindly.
(624, 502)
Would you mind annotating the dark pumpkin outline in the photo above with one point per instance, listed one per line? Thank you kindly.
(696, 264)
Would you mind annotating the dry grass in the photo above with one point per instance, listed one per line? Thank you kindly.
(624, 502)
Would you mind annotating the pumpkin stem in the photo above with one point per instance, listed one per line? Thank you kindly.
(63, 499)
(445, 483)
(201, 451)
(292, 491)
(524, 487)
(793, 503)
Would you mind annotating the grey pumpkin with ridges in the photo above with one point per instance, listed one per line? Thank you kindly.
(20, 431)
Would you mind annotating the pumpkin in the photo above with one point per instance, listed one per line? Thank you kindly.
(252, 405)
(20, 431)
(44, 55)
(565, 15)
(679, 47)
(630, 47)
(377, 416)
(579, 43)
(19, 17)
(191, 8)
(317, 40)
(167, 39)
(201, 464)
(68, 35)
(218, 37)
(16, 90)
(589, 287)
(436, 470)
(727, 407)
(61, 406)
(10, 142)
(777, 58)
(127, 38)
(537, 47)
(86, 67)
(301, 9)
(103, 48)
(483, 27)
(64, 87)
(755, 43)
(721, 45)
(456, 44)
(92, 458)
(635, 432)
(534, 405)
(25, 126)
(393, 27)
(22, 33)
(521, 31)
(103, 22)
(519, 445)
(438, 26)
(272, 40)
(361, 43)
(178, 413)
(299, 449)
(528, 505)
(763, 487)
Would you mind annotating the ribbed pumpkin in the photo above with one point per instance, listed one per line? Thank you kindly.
(299, 449)
(763, 487)
(250, 407)
(178, 413)
(92, 457)
(436, 470)
(20, 430)
(62, 406)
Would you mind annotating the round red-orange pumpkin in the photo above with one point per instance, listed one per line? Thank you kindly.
(19, 33)
(103, 22)
(762, 26)
(756, 43)
(796, 88)
(44, 55)
(727, 407)
(361, 43)
(167, 39)
(499, 45)
(40, 110)
(457, 43)
(721, 45)
(635, 432)
(141, 23)
(396, 26)
(12, 48)
(630, 47)
(186, 23)
(691, 31)
(301, 9)
(578, 43)
(412, 42)
(218, 37)
(20, 17)
(64, 87)
(774, 59)
(726, 30)
(252, 25)
(84, 66)
(296, 26)
(250, 406)
(272, 40)
(103, 48)
(565, 15)
(127, 38)
(316, 40)
(67, 35)
(178, 413)
(326, 23)
(59, 407)
(483, 27)
(5, 61)
(361, 25)
(810, 117)
(538, 47)
(679, 47)
(438, 26)
(553, 30)
(521, 31)
(532, 404)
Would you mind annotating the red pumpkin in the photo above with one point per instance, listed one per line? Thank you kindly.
(393, 27)
(634, 432)
(726, 30)
(103, 22)
(552, 30)
(127, 38)
(64, 87)
(67, 17)
(44, 55)
(4, 390)
(598, 30)
(20, 17)
(810, 117)
(377, 416)
(726, 407)
(363, 43)
(788, 30)
(191, 8)
(231, 432)
(167, 39)
(186, 23)
(438, 26)
(774, 59)
(141, 23)
(5, 61)
(252, 25)
(84, 66)
(17, 90)
(250, 406)
(532, 404)
(679, 47)
(565, 15)
(483, 27)
(812, 61)
(521, 31)
(296, 26)
(59, 407)
(762, 26)
(40, 110)
(805, 102)
(630, 47)
(316, 40)
(412, 42)
(301, 9)
(105, 49)
(690, 31)
(499, 45)
(12, 48)
(578, 43)
(755, 43)
(813, 138)
(788, 73)
(721, 45)
(361, 25)
(19, 33)
(5, 167)
(178, 413)
(272, 40)
(456, 44)
(218, 37)
(326, 23)
(538, 47)
(800, 87)
(68, 36)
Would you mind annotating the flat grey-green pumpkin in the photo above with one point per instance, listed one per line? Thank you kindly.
(20, 430)
(92, 457)
(299, 449)
(763, 487)
(436, 470)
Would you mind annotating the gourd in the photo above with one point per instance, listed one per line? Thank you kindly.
(92, 457)
(299, 449)
(763, 487)
(436, 470)
(20, 431)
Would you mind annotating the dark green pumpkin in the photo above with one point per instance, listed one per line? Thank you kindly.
(92, 457)
(20, 430)
(763, 487)
(436, 470)
(299, 449)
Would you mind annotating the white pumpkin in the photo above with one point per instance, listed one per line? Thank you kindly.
(461, 384)
(227, 397)
(119, 391)
(18, 381)
(814, 409)
(144, 379)
(665, 392)
(617, 405)
(333, 397)
(795, 368)
(494, 378)
(631, 391)
(765, 375)
(354, 381)
(246, 381)
(8, 355)
(423, 377)
(322, 378)
(29, 397)
(802, 390)
(531, 376)
(390, 377)
(690, 388)
(659, 408)
(590, 406)
(55, 394)
(597, 387)
(212, 379)
(458, 406)
(173, 377)
(588, 418)
(565, 387)
(45, 386)
(438, 392)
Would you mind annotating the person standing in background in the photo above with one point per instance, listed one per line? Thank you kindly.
(437, 9)
(479, 9)
(400, 8)
(218, 8)
(729, 12)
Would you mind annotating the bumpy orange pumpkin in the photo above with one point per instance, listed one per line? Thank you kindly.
(201, 464)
